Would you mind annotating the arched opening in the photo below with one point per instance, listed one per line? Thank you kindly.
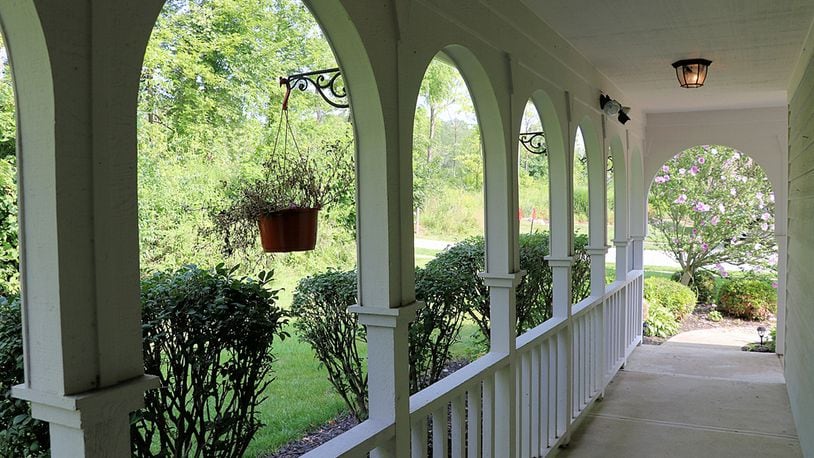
(533, 174)
(711, 218)
(617, 210)
(581, 215)
(447, 162)
(449, 223)
(211, 128)
(9, 256)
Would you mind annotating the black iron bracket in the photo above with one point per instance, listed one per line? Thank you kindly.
(323, 81)
(533, 142)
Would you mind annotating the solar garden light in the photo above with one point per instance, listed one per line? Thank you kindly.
(761, 331)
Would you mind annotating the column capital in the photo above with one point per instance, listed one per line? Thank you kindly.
(386, 317)
(88, 408)
(637, 238)
(598, 251)
(509, 280)
(621, 243)
(559, 261)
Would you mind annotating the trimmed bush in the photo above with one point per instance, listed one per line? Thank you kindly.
(20, 434)
(678, 299)
(321, 307)
(748, 298)
(208, 336)
(660, 321)
(703, 283)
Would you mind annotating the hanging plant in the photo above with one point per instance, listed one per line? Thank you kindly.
(285, 203)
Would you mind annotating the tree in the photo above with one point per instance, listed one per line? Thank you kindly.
(9, 257)
(714, 205)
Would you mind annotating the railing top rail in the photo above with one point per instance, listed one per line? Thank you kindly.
(356, 442)
(541, 332)
(444, 390)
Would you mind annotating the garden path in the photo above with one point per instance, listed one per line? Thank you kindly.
(695, 395)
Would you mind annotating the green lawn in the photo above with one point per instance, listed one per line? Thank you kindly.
(299, 399)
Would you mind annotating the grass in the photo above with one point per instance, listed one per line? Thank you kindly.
(299, 399)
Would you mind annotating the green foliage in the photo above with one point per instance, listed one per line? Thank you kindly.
(320, 306)
(748, 298)
(704, 283)
(295, 180)
(8, 127)
(20, 434)
(214, 378)
(680, 300)
(437, 324)
(9, 257)
(209, 102)
(772, 344)
(714, 205)
(660, 321)
(715, 316)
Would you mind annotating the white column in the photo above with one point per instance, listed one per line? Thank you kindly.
(78, 90)
(502, 313)
(389, 369)
(637, 251)
(622, 261)
(597, 269)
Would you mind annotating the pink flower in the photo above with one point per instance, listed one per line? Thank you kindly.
(774, 284)
(764, 226)
(701, 160)
(659, 179)
(701, 207)
(771, 197)
(733, 191)
(682, 171)
(737, 155)
(694, 170)
(704, 246)
(681, 199)
(665, 168)
(706, 147)
(714, 151)
(773, 259)
(721, 208)
(765, 216)
(714, 221)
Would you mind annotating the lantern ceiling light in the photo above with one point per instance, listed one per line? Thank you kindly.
(691, 73)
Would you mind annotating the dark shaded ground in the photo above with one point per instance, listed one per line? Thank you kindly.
(337, 426)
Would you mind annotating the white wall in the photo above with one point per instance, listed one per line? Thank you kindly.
(799, 357)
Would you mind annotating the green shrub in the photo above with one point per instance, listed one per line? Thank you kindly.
(534, 293)
(320, 305)
(20, 434)
(208, 336)
(703, 283)
(678, 299)
(660, 321)
(772, 344)
(450, 287)
(748, 298)
(715, 316)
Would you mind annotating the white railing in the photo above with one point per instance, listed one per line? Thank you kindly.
(561, 367)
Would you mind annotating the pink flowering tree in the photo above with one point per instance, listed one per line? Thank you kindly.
(713, 205)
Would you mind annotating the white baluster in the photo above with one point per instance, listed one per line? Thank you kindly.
(418, 437)
(473, 422)
(439, 432)
(458, 426)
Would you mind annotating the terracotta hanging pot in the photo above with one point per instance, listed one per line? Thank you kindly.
(294, 229)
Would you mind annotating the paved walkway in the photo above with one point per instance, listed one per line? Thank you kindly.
(697, 395)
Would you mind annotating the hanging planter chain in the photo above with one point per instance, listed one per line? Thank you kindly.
(325, 83)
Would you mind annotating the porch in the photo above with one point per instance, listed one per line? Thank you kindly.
(77, 66)
(691, 399)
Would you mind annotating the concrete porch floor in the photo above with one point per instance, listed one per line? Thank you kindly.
(690, 399)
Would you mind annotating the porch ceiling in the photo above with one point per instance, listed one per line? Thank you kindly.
(754, 46)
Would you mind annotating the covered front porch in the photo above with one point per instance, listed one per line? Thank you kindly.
(76, 69)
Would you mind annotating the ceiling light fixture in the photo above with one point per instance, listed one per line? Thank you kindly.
(691, 73)
(611, 107)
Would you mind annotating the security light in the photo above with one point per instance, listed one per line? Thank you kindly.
(691, 73)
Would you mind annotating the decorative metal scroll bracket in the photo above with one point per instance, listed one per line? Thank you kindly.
(533, 142)
(325, 83)
(584, 160)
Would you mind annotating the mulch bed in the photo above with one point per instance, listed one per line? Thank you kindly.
(699, 319)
